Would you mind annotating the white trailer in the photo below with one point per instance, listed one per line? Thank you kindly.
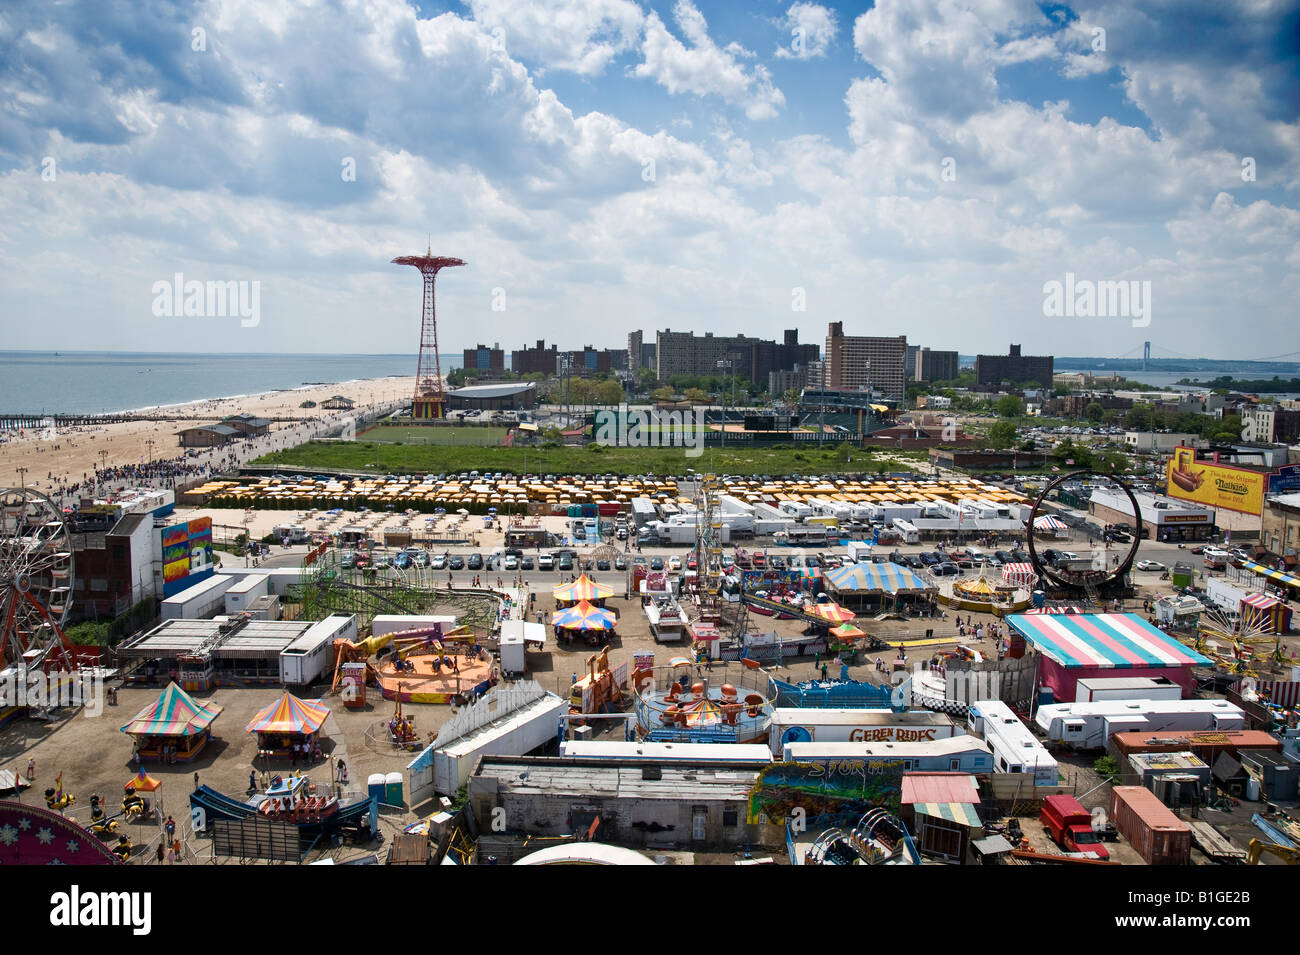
(1015, 748)
(245, 590)
(910, 534)
(516, 636)
(1225, 596)
(302, 661)
(643, 511)
(957, 754)
(805, 725)
(1091, 725)
(741, 754)
(511, 719)
(205, 599)
(1096, 689)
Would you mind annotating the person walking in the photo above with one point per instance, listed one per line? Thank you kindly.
(31, 769)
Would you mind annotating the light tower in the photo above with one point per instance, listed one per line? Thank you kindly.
(429, 400)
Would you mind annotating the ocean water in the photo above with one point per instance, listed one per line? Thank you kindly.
(95, 382)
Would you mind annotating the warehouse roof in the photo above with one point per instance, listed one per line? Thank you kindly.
(550, 776)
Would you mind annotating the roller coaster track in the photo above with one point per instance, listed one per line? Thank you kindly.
(343, 596)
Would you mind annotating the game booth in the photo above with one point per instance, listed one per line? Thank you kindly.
(173, 728)
(1265, 613)
(287, 723)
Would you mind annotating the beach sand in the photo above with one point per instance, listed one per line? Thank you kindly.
(69, 453)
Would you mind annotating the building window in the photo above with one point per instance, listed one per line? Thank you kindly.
(699, 823)
(730, 818)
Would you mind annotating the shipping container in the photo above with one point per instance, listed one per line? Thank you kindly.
(1097, 689)
(1159, 837)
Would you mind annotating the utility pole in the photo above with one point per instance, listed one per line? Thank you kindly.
(22, 478)
(149, 444)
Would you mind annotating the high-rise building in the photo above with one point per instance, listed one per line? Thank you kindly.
(909, 362)
(1013, 368)
(634, 342)
(688, 354)
(484, 360)
(936, 365)
(865, 363)
(538, 359)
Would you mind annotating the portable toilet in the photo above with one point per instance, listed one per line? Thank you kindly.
(393, 788)
(1039, 599)
(1181, 575)
(375, 786)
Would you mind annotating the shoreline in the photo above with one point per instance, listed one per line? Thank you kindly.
(64, 461)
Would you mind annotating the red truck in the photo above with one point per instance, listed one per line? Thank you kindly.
(1070, 826)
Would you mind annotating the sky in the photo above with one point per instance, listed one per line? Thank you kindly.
(926, 168)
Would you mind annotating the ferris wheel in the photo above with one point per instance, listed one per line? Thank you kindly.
(36, 579)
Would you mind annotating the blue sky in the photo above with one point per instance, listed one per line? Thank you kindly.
(918, 167)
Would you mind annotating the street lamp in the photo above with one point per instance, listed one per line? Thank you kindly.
(729, 364)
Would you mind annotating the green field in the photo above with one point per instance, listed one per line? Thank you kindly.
(434, 434)
(593, 459)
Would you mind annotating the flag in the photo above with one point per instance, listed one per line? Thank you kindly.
(58, 786)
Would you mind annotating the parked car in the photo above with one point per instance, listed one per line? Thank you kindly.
(512, 562)
(1150, 565)
(526, 563)
(545, 562)
(946, 569)
(402, 561)
(620, 563)
(456, 562)
(656, 563)
(674, 563)
(475, 562)
(566, 562)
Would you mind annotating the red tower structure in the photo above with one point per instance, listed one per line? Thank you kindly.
(430, 401)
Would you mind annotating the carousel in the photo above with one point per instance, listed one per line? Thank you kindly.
(983, 594)
(718, 706)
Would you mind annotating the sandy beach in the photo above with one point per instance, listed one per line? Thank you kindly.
(65, 457)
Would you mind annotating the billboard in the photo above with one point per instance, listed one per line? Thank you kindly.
(186, 554)
(1214, 485)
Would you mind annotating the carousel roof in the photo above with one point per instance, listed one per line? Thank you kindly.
(584, 616)
(584, 588)
(174, 713)
(289, 714)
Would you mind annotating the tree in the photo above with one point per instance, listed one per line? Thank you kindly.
(696, 396)
(1002, 434)
(1140, 417)
(1010, 406)
(646, 378)
(1094, 412)
(663, 393)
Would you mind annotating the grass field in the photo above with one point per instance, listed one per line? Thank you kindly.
(415, 434)
(593, 459)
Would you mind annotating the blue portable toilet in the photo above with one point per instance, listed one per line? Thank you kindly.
(375, 786)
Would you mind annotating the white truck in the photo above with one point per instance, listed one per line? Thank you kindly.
(860, 552)
(1091, 725)
(909, 531)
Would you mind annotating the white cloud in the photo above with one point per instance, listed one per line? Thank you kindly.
(702, 68)
(581, 36)
(811, 29)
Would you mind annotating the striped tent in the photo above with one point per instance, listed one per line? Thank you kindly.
(1021, 575)
(584, 588)
(289, 714)
(832, 612)
(1282, 578)
(1063, 608)
(174, 713)
(1265, 612)
(1049, 523)
(584, 616)
(876, 578)
(1103, 640)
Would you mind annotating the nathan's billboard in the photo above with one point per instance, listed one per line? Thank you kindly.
(1214, 485)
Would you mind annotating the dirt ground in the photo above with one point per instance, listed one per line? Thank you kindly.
(94, 756)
